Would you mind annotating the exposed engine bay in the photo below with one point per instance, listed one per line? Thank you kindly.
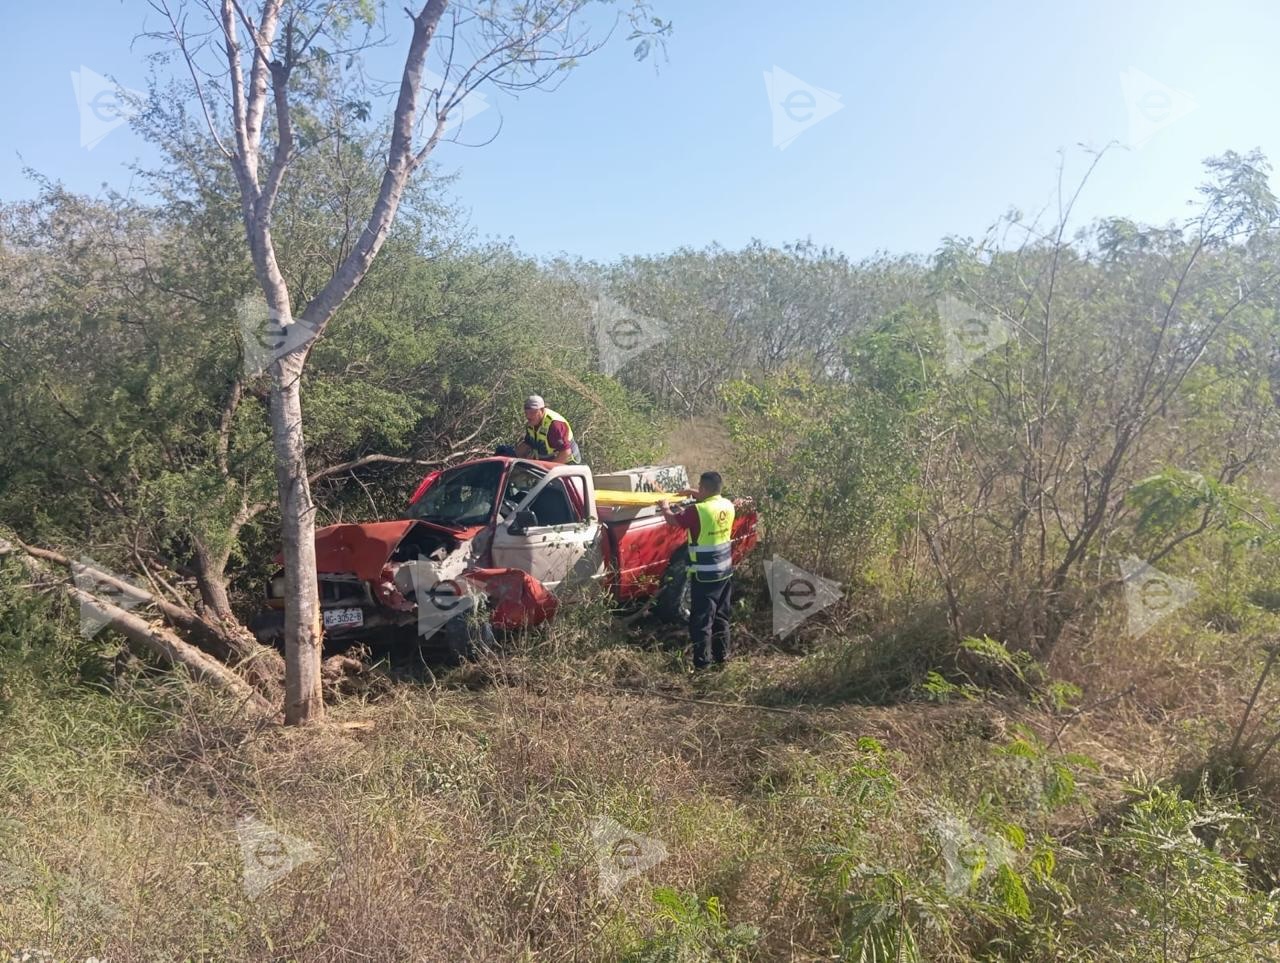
(426, 558)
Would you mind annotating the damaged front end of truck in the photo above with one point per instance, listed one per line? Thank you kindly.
(422, 577)
(371, 577)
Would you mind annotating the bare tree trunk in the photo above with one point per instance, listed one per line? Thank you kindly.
(211, 580)
(303, 701)
(217, 629)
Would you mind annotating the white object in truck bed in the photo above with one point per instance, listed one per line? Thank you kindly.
(648, 478)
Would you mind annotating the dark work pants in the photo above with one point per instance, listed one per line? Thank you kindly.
(709, 604)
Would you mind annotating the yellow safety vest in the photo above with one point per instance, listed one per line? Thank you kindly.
(536, 438)
(711, 556)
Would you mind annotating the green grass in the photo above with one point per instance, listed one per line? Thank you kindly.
(454, 821)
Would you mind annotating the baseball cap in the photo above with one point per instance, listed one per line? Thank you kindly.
(534, 401)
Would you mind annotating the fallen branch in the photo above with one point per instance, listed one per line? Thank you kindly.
(171, 650)
(157, 640)
(262, 666)
(360, 462)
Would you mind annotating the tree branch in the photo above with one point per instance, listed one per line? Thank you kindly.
(400, 165)
(360, 462)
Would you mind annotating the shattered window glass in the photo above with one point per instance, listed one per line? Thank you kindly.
(461, 496)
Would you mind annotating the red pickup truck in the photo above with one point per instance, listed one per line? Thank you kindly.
(495, 543)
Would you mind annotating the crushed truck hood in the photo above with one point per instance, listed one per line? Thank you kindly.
(365, 549)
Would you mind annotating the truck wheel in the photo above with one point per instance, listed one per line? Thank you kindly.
(268, 627)
(468, 638)
(672, 602)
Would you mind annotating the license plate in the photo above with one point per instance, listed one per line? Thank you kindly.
(333, 618)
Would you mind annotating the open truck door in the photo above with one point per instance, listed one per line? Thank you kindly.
(552, 531)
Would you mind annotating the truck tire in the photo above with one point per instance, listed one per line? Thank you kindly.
(468, 638)
(672, 602)
(268, 627)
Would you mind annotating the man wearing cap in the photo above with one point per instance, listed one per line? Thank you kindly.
(547, 436)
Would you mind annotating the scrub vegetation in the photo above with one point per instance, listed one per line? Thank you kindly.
(976, 753)
(1037, 720)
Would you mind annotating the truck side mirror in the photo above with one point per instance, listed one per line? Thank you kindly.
(525, 519)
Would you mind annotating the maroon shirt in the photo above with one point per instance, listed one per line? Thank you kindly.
(558, 436)
(691, 521)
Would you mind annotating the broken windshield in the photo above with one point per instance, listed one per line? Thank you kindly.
(461, 496)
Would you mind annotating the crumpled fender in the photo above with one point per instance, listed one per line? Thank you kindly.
(360, 549)
(363, 549)
(516, 598)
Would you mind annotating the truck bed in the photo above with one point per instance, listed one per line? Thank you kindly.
(638, 546)
(639, 543)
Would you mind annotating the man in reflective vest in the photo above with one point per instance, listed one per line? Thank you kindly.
(547, 435)
(709, 524)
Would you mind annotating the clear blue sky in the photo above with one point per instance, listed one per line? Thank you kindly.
(951, 114)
